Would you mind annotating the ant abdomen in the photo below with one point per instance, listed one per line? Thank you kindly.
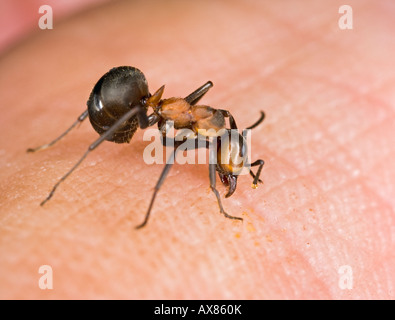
(116, 92)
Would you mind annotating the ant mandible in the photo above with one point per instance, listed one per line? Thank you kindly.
(118, 105)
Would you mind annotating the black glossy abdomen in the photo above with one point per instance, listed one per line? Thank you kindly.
(113, 95)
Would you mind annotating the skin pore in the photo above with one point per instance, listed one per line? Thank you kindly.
(322, 220)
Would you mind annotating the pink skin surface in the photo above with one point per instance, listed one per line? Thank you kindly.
(328, 142)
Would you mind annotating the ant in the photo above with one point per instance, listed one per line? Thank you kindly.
(118, 105)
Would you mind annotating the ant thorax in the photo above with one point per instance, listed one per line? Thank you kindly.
(201, 119)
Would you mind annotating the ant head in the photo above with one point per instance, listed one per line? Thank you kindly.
(154, 100)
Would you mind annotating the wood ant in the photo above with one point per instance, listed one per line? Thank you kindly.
(118, 105)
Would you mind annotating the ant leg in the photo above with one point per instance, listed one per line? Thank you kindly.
(259, 163)
(164, 127)
(143, 120)
(258, 122)
(212, 171)
(81, 118)
(195, 96)
(252, 174)
(162, 178)
(152, 119)
(104, 136)
(232, 120)
(164, 173)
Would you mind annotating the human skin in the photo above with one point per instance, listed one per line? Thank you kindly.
(328, 142)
